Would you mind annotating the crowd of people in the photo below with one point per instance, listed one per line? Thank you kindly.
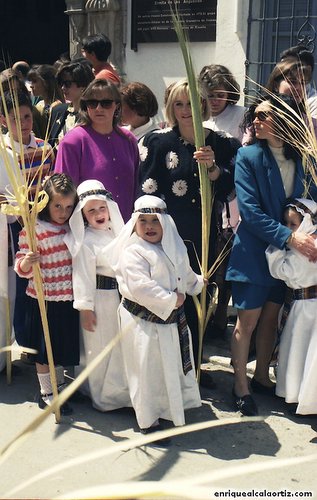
(119, 242)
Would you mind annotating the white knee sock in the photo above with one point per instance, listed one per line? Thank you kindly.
(60, 378)
(46, 387)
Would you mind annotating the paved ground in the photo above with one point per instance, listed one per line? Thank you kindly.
(216, 452)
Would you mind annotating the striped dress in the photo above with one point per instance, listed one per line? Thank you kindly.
(56, 271)
(36, 154)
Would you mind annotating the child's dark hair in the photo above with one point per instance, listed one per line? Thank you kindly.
(57, 184)
(290, 208)
(14, 101)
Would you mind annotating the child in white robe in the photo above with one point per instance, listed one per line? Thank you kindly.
(297, 355)
(153, 273)
(95, 223)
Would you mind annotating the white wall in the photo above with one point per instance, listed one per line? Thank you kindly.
(159, 64)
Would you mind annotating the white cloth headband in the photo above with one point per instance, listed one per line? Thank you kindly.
(91, 190)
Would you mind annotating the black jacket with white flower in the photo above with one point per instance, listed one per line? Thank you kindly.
(168, 170)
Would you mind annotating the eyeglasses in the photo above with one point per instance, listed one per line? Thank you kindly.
(104, 103)
(66, 83)
(261, 115)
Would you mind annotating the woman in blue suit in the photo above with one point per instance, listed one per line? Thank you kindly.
(266, 174)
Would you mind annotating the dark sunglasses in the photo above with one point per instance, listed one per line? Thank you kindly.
(66, 83)
(104, 103)
(261, 115)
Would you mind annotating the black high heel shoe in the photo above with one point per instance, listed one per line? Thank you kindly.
(245, 404)
(262, 389)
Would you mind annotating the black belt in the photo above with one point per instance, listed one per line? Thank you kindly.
(106, 282)
(143, 313)
(305, 293)
(177, 316)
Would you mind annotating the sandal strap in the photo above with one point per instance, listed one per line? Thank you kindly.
(48, 395)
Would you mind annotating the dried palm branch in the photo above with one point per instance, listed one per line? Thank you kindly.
(199, 486)
(19, 202)
(294, 126)
(126, 445)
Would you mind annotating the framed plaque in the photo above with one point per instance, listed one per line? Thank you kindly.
(152, 21)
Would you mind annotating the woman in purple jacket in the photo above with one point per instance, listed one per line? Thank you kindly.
(98, 149)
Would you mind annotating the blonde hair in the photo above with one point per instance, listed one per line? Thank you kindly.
(181, 87)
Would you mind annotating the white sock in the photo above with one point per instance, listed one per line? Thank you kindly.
(60, 378)
(46, 387)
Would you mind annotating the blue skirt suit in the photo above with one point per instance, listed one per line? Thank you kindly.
(261, 199)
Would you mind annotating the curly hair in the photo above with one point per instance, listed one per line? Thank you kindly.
(215, 76)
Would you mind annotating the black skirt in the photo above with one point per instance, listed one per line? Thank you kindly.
(63, 321)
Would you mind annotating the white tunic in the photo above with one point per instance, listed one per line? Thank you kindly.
(157, 384)
(297, 363)
(228, 121)
(108, 387)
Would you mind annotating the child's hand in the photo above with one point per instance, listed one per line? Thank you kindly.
(88, 320)
(29, 260)
(180, 300)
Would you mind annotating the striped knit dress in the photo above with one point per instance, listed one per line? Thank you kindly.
(56, 271)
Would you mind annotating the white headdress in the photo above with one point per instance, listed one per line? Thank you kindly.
(308, 209)
(91, 190)
(172, 243)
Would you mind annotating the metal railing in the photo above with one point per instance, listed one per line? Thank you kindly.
(273, 26)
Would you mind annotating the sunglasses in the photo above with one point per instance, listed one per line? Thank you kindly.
(296, 81)
(66, 83)
(261, 115)
(104, 103)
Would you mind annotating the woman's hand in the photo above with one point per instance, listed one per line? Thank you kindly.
(29, 260)
(206, 156)
(305, 244)
(88, 320)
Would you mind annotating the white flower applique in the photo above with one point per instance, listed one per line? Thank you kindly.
(179, 188)
(143, 152)
(163, 130)
(149, 186)
(171, 160)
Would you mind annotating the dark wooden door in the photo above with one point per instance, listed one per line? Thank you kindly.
(33, 30)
